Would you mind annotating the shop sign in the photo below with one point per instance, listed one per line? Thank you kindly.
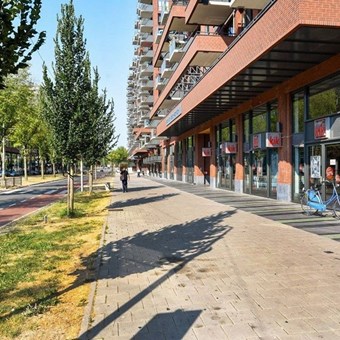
(273, 140)
(173, 115)
(321, 128)
(257, 144)
(206, 152)
(230, 147)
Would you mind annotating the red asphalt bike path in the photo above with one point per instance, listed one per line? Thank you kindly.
(21, 209)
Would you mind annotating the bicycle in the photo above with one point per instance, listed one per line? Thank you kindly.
(312, 203)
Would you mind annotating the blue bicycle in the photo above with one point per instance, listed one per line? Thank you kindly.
(312, 203)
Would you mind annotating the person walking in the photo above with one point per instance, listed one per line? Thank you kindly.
(124, 176)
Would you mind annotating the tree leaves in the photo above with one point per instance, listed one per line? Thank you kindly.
(17, 22)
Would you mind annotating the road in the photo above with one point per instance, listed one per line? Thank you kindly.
(17, 203)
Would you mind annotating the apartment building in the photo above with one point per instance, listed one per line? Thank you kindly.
(242, 95)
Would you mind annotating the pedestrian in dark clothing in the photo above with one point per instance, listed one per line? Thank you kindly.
(124, 176)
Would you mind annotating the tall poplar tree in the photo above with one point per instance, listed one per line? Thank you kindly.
(102, 137)
(66, 109)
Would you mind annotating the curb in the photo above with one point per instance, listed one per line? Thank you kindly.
(93, 288)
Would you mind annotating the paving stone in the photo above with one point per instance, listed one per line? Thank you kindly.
(210, 271)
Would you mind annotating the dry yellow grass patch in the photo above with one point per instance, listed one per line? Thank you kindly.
(69, 248)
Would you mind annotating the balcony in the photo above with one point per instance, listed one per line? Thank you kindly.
(148, 2)
(145, 11)
(170, 102)
(176, 48)
(160, 83)
(135, 40)
(146, 25)
(158, 35)
(146, 101)
(164, 12)
(166, 69)
(146, 39)
(251, 4)
(146, 69)
(146, 84)
(146, 55)
(213, 13)
(131, 75)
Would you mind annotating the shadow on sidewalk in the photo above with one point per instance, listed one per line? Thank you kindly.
(138, 201)
(170, 248)
(172, 325)
(145, 188)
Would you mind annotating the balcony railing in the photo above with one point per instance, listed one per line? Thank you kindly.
(145, 25)
(160, 83)
(146, 38)
(166, 69)
(145, 10)
(176, 47)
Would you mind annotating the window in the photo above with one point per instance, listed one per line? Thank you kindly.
(298, 112)
(260, 119)
(324, 98)
(274, 117)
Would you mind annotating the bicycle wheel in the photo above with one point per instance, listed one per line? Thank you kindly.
(308, 210)
(336, 209)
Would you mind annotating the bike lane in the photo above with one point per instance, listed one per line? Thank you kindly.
(24, 208)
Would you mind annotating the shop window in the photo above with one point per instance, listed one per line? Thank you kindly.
(274, 117)
(225, 133)
(260, 119)
(298, 112)
(228, 131)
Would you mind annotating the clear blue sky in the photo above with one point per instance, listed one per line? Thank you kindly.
(108, 30)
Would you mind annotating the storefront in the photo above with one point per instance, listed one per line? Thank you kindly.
(189, 159)
(226, 139)
(316, 116)
(261, 140)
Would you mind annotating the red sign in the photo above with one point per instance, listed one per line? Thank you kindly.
(273, 139)
(321, 129)
(230, 147)
(206, 152)
(257, 141)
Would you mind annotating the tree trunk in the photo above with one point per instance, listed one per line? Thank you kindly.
(91, 179)
(3, 158)
(42, 168)
(72, 189)
(25, 166)
(68, 194)
(81, 175)
(53, 170)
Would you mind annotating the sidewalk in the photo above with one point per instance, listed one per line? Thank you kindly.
(178, 266)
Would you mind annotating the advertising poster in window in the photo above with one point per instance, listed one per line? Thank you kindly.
(315, 167)
(206, 152)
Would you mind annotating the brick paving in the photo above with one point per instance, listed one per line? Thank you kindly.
(178, 266)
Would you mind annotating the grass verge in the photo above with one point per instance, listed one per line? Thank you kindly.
(46, 269)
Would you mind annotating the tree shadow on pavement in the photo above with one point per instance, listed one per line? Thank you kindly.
(171, 247)
(139, 201)
(142, 188)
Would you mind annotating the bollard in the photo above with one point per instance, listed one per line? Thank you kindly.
(45, 219)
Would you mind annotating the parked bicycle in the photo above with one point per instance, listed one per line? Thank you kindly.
(312, 202)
